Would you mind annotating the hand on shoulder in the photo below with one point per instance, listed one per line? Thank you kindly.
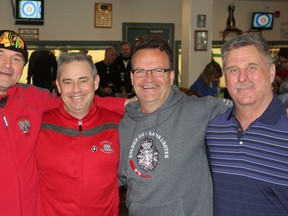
(128, 100)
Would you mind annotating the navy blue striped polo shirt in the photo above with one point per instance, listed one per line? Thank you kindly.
(250, 169)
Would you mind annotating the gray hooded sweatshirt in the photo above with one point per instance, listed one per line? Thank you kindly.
(163, 159)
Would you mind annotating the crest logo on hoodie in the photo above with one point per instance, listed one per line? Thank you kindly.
(147, 155)
(144, 152)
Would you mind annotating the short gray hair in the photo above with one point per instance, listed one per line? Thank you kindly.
(72, 57)
(247, 40)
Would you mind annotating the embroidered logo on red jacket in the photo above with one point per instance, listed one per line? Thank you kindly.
(107, 147)
(25, 126)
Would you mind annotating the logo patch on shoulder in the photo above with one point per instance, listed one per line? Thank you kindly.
(106, 147)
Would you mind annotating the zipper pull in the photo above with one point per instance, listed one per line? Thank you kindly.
(4, 118)
(80, 125)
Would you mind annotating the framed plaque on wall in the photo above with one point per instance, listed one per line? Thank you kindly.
(103, 15)
(201, 20)
(200, 40)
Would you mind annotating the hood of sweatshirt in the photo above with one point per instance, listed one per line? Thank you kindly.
(133, 109)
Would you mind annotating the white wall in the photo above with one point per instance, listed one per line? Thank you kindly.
(193, 61)
(243, 16)
(74, 19)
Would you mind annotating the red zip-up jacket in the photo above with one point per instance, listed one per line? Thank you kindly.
(78, 163)
(21, 115)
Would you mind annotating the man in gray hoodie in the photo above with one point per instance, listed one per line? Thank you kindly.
(163, 159)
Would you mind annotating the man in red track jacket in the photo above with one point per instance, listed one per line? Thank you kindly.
(78, 146)
(21, 110)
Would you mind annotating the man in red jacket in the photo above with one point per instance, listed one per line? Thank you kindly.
(21, 110)
(78, 146)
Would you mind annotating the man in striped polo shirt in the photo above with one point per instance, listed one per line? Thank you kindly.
(248, 144)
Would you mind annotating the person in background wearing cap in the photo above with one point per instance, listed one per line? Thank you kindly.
(22, 107)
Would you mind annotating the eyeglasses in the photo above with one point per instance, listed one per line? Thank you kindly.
(156, 72)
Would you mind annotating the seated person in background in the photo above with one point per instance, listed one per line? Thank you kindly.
(208, 81)
(78, 146)
(105, 72)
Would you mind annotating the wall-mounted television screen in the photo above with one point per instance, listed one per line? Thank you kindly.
(30, 12)
(262, 20)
